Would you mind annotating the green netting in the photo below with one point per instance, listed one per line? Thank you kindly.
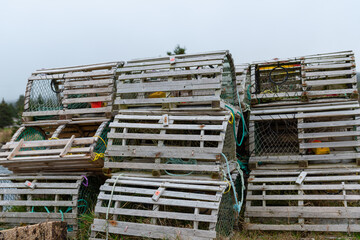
(227, 85)
(226, 216)
(32, 134)
(101, 145)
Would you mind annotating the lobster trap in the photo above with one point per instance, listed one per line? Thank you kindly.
(305, 136)
(182, 82)
(174, 145)
(296, 80)
(70, 93)
(310, 200)
(31, 199)
(163, 208)
(71, 147)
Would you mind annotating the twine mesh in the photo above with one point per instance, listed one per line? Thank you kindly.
(42, 96)
(276, 137)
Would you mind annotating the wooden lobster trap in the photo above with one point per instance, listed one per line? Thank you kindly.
(182, 82)
(295, 80)
(301, 136)
(325, 200)
(72, 146)
(71, 93)
(174, 145)
(165, 208)
(35, 198)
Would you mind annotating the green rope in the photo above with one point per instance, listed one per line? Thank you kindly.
(234, 127)
(180, 161)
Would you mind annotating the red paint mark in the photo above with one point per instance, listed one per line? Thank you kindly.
(157, 193)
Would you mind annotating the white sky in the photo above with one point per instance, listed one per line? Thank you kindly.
(38, 34)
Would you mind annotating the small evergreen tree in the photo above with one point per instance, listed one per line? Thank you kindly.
(6, 115)
(177, 51)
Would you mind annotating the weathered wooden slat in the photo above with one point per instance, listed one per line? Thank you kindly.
(87, 99)
(79, 68)
(331, 82)
(161, 201)
(308, 179)
(328, 66)
(166, 193)
(304, 212)
(170, 73)
(164, 152)
(88, 90)
(144, 136)
(158, 214)
(167, 65)
(329, 134)
(50, 143)
(159, 166)
(329, 73)
(73, 75)
(201, 84)
(168, 100)
(152, 231)
(329, 124)
(306, 227)
(171, 126)
(304, 187)
(330, 144)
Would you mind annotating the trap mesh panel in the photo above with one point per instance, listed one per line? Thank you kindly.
(277, 137)
(45, 96)
(228, 88)
(31, 134)
(77, 105)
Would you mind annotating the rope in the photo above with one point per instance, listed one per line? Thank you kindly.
(234, 127)
(101, 140)
(97, 156)
(242, 185)
(237, 205)
(180, 161)
(229, 186)
(232, 119)
(108, 207)
(53, 138)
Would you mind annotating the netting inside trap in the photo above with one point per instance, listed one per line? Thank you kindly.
(277, 137)
(45, 95)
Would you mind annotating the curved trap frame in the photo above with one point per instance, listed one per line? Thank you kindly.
(182, 82)
(31, 199)
(71, 92)
(70, 147)
(163, 208)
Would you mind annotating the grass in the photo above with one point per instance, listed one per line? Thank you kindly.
(6, 134)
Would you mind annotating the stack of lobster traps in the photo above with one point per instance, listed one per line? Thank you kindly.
(171, 150)
(304, 144)
(57, 154)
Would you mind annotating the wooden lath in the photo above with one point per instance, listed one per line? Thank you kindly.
(178, 82)
(179, 212)
(326, 200)
(71, 92)
(146, 142)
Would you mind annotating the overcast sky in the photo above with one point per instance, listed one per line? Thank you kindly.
(38, 34)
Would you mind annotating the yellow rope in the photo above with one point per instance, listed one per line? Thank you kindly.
(97, 156)
(232, 119)
(229, 186)
(53, 138)
(101, 140)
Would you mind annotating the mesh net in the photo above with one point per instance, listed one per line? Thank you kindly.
(102, 143)
(45, 95)
(32, 134)
(277, 137)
